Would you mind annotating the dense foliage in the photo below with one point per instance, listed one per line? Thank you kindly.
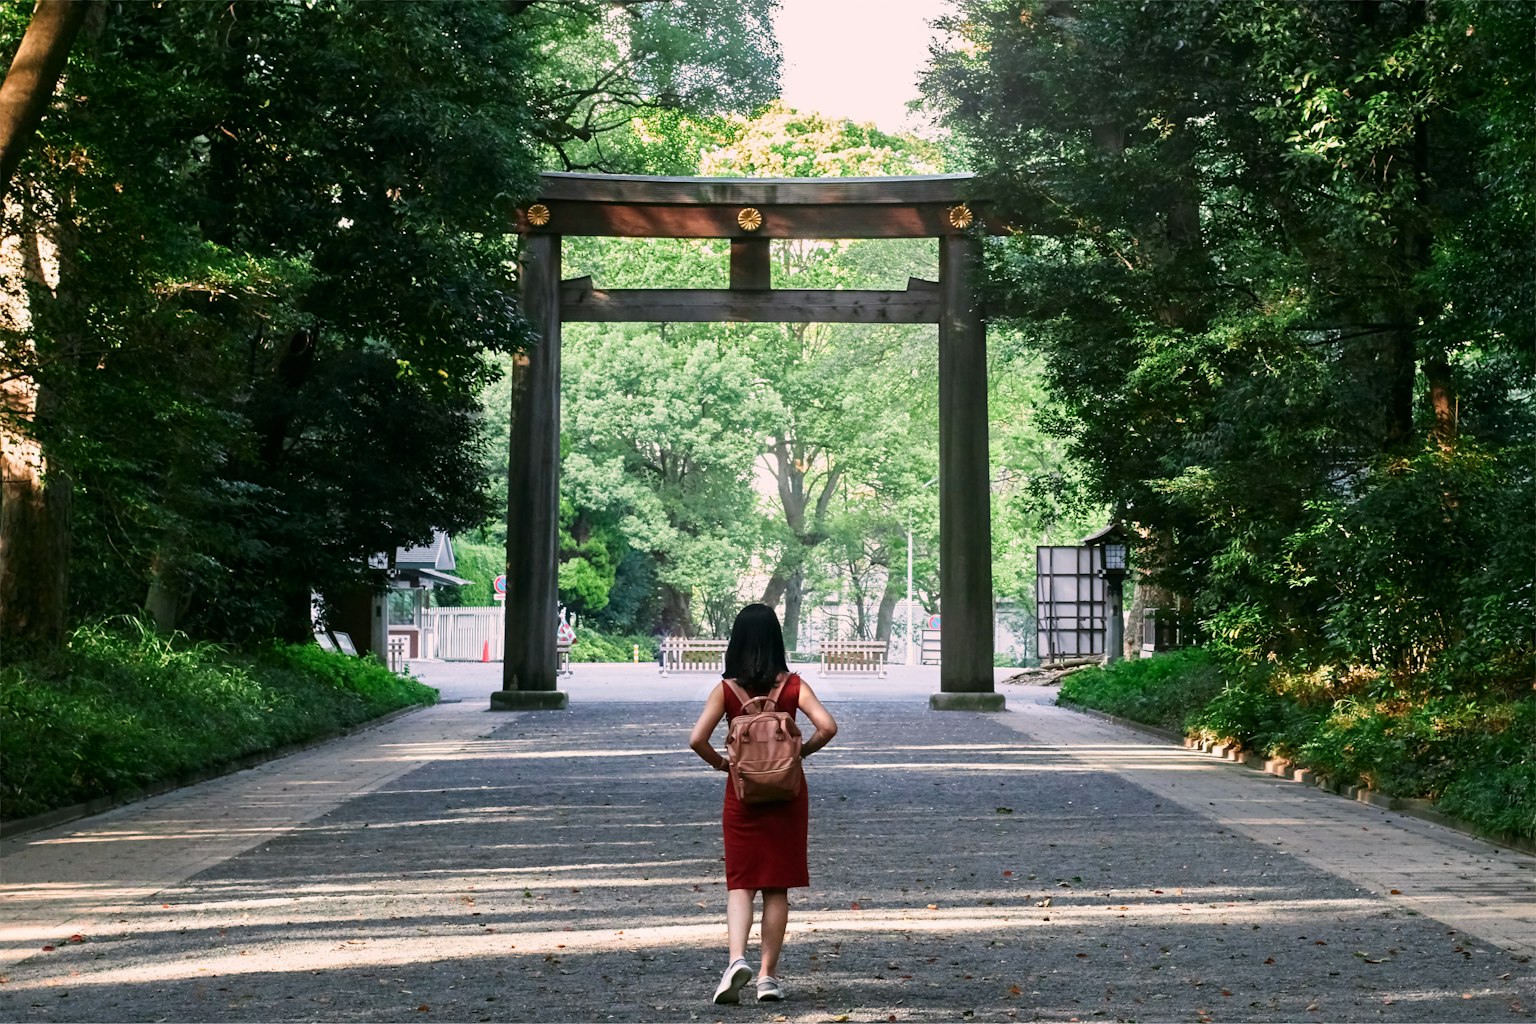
(1472, 756)
(1276, 257)
(256, 269)
(120, 709)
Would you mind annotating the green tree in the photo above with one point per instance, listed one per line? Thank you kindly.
(661, 432)
(634, 88)
(1249, 265)
(270, 244)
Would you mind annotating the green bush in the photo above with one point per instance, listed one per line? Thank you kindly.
(1472, 752)
(1166, 690)
(594, 646)
(121, 708)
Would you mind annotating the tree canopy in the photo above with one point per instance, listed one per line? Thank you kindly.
(1275, 257)
(258, 261)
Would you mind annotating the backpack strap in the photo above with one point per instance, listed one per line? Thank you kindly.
(736, 694)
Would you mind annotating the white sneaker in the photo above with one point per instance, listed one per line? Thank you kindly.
(732, 982)
(768, 990)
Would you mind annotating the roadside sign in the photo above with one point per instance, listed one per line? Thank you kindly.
(933, 622)
(499, 585)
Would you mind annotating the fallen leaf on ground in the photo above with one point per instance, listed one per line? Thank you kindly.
(1014, 990)
(1395, 892)
(1005, 810)
(933, 906)
(47, 949)
(423, 1008)
(855, 905)
(1007, 874)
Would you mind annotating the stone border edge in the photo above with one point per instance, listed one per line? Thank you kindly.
(1280, 768)
(74, 812)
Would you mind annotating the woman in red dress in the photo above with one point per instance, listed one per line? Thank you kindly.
(765, 844)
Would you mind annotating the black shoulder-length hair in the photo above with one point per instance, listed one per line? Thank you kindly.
(755, 655)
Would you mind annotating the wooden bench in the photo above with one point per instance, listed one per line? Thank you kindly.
(682, 654)
(850, 657)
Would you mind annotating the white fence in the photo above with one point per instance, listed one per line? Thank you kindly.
(461, 634)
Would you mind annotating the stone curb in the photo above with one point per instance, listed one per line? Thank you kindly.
(1280, 768)
(74, 812)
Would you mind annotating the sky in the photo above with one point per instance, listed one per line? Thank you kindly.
(855, 58)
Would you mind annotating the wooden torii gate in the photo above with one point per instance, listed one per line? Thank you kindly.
(750, 212)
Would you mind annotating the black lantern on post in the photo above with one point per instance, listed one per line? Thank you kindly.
(1113, 549)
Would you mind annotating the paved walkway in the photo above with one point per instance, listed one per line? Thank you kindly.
(461, 865)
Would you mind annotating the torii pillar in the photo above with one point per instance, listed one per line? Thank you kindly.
(530, 663)
(965, 487)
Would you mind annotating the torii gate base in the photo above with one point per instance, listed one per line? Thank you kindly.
(529, 700)
(749, 212)
(966, 702)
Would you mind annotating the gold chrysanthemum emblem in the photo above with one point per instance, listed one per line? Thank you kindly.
(538, 215)
(961, 216)
(750, 219)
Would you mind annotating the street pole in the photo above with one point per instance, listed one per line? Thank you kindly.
(909, 595)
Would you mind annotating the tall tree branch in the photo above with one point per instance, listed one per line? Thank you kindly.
(33, 74)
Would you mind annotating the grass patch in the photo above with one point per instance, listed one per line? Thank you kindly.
(1474, 754)
(1164, 691)
(121, 708)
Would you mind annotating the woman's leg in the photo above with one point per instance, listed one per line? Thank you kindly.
(775, 920)
(738, 920)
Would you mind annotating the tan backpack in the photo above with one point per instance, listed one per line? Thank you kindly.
(763, 745)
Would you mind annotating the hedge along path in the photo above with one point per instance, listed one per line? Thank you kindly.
(1471, 885)
(69, 879)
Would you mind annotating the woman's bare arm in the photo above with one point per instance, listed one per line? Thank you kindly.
(704, 728)
(821, 719)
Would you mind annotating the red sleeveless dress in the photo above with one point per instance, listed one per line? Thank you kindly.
(765, 844)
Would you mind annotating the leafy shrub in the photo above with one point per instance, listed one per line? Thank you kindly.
(1165, 690)
(593, 646)
(121, 708)
(1475, 755)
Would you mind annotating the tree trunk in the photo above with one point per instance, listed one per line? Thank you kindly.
(1442, 400)
(794, 596)
(887, 609)
(32, 77)
(166, 600)
(676, 611)
(1152, 554)
(34, 540)
(35, 491)
(773, 593)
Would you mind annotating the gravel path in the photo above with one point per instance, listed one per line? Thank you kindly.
(566, 866)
